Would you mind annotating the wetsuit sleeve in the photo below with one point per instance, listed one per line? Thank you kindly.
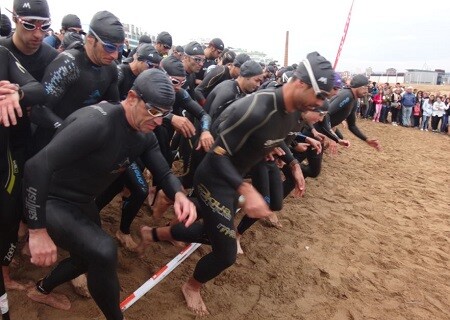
(77, 140)
(59, 75)
(211, 79)
(33, 91)
(324, 127)
(288, 157)
(199, 113)
(351, 122)
(112, 94)
(157, 164)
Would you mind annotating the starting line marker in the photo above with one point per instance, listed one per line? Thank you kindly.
(158, 276)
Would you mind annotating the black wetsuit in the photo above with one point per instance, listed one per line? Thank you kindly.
(342, 107)
(89, 151)
(20, 135)
(184, 106)
(220, 98)
(14, 72)
(201, 74)
(314, 166)
(126, 80)
(211, 80)
(72, 81)
(256, 125)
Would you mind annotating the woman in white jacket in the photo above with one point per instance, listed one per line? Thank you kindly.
(437, 114)
(427, 110)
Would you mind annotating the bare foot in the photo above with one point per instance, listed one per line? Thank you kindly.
(126, 240)
(161, 205)
(239, 248)
(146, 239)
(194, 300)
(14, 285)
(55, 300)
(80, 286)
(151, 196)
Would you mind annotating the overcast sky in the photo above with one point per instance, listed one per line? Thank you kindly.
(382, 34)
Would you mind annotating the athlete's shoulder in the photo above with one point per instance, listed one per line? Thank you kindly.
(342, 99)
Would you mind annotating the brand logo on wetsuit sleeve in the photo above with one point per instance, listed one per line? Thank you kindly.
(344, 102)
(227, 231)
(215, 205)
(30, 203)
(10, 254)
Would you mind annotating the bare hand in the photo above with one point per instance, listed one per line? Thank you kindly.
(206, 141)
(184, 209)
(275, 152)
(332, 147)
(183, 126)
(374, 143)
(300, 183)
(9, 107)
(344, 143)
(301, 147)
(317, 135)
(254, 204)
(42, 248)
(315, 144)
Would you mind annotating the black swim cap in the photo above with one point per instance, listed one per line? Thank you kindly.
(145, 39)
(193, 48)
(70, 38)
(5, 27)
(173, 67)
(320, 67)
(250, 68)
(32, 9)
(70, 21)
(358, 81)
(240, 59)
(155, 88)
(146, 51)
(108, 27)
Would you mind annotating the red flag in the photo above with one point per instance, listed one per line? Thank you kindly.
(347, 23)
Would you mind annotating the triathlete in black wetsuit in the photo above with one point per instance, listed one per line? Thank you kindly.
(90, 150)
(343, 107)
(178, 122)
(26, 45)
(81, 77)
(146, 57)
(212, 52)
(15, 84)
(218, 75)
(257, 124)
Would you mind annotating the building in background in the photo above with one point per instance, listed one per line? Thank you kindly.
(133, 33)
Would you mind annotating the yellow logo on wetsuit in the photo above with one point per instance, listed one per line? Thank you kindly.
(215, 205)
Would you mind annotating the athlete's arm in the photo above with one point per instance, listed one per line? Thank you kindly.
(351, 122)
(209, 81)
(77, 140)
(59, 76)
